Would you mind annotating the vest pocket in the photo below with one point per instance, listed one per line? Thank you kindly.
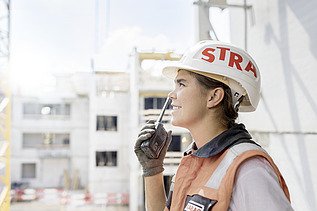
(198, 203)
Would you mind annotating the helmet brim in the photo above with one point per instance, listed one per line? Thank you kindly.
(171, 70)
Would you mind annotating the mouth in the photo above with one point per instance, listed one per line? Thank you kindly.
(174, 107)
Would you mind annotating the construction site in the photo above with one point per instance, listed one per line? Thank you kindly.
(72, 146)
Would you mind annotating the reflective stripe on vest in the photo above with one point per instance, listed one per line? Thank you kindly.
(233, 152)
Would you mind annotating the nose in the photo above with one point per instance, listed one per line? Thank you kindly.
(172, 94)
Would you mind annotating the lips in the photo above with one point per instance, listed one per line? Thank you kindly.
(176, 107)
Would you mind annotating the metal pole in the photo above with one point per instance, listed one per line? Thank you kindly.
(245, 26)
(135, 185)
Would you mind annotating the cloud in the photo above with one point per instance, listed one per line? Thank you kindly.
(114, 55)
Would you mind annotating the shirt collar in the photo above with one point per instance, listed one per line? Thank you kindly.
(220, 142)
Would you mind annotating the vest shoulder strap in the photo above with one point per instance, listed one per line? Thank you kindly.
(217, 176)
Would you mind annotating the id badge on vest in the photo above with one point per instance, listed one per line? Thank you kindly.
(198, 203)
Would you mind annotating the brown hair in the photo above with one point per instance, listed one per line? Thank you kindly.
(229, 114)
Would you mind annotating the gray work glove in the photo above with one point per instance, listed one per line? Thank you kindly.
(151, 166)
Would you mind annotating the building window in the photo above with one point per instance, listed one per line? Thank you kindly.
(107, 123)
(175, 145)
(154, 103)
(46, 109)
(46, 140)
(106, 158)
(31, 109)
(28, 170)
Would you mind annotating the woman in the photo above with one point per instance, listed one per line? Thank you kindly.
(223, 169)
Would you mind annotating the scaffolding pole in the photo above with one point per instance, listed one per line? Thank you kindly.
(5, 106)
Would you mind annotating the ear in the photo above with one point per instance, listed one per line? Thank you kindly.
(215, 96)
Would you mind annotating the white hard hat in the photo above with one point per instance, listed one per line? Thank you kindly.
(226, 63)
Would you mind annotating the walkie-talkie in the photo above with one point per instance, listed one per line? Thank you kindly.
(153, 147)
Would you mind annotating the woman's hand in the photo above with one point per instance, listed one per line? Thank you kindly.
(151, 166)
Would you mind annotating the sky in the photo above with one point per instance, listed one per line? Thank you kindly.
(67, 36)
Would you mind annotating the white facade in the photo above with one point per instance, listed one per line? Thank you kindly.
(109, 97)
(282, 41)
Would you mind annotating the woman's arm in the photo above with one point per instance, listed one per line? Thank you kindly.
(155, 197)
(152, 168)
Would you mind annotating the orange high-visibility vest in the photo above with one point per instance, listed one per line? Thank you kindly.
(213, 178)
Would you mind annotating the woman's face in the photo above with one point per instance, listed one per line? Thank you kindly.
(189, 100)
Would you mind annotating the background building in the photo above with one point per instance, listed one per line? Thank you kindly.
(50, 138)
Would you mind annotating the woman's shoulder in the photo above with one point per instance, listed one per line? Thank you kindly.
(256, 166)
(256, 184)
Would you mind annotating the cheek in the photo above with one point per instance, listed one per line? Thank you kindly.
(188, 115)
(198, 105)
(197, 100)
(194, 109)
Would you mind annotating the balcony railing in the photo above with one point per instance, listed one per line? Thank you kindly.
(47, 146)
(153, 114)
(54, 153)
(46, 117)
(173, 158)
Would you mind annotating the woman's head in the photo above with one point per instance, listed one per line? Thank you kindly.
(197, 98)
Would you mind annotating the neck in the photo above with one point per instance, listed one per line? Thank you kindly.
(205, 131)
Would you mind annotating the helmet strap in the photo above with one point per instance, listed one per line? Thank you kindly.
(236, 99)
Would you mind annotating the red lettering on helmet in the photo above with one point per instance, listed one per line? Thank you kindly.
(210, 57)
(222, 55)
(250, 67)
(235, 59)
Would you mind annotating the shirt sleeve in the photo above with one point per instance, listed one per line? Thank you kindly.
(257, 188)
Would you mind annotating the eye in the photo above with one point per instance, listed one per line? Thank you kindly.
(180, 84)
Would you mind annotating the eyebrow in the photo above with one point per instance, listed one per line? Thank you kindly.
(180, 80)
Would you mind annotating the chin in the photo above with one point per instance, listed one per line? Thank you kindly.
(174, 122)
(177, 123)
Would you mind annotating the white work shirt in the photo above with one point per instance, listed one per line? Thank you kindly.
(257, 188)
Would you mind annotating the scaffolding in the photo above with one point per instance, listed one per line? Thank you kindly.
(205, 28)
(5, 106)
